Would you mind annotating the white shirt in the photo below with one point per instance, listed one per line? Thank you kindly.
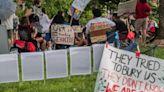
(96, 20)
(45, 22)
(8, 23)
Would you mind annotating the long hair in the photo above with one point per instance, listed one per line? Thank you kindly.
(59, 18)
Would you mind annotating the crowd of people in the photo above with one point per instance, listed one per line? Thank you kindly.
(33, 29)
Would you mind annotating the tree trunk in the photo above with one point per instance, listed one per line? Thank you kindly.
(161, 18)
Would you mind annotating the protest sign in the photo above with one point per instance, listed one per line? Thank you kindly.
(122, 71)
(98, 31)
(77, 29)
(127, 7)
(62, 34)
(80, 4)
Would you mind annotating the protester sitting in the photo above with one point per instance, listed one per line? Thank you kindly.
(97, 19)
(9, 25)
(59, 19)
(121, 27)
(27, 34)
(45, 23)
(34, 21)
(79, 37)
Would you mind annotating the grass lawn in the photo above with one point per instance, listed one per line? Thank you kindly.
(74, 84)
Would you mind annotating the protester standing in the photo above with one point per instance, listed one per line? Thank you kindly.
(9, 25)
(97, 19)
(142, 13)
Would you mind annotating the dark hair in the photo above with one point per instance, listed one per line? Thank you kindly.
(59, 18)
(96, 12)
(74, 21)
(24, 20)
(33, 18)
(36, 2)
(43, 10)
(143, 1)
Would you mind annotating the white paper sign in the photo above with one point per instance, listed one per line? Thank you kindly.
(80, 58)
(9, 68)
(32, 66)
(80, 4)
(121, 71)
(97, 55)
(56, 63)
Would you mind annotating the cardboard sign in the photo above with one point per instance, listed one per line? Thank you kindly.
(80, 4)
(62, 34)
(98, 31)
(127, 7)
(77, 29)
(122, 71)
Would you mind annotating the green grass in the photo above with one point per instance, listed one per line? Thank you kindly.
(73, 84)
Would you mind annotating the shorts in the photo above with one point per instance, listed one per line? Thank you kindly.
(141, 24)
(10, 33)
(48, 37)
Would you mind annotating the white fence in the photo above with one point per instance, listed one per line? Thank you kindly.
(52, 63)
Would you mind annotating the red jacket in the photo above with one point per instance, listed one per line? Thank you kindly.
(141, 10)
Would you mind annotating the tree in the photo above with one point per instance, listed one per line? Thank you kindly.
(161, 18)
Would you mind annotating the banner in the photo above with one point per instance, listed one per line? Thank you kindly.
(80, 4)
(98, 31)
(127, 7)
(62, 34)
(121, 71)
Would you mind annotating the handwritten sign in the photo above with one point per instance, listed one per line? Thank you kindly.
(80, 4)
(62, 34)
(77, 29)
(127, 7)
(98, 31)
(121, 71)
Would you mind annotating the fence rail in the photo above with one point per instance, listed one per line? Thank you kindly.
(52, 64)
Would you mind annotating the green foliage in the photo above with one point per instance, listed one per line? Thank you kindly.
(75, 84)
(53, 6)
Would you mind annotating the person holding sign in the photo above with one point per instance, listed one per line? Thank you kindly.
(97, 27)
(62, 35)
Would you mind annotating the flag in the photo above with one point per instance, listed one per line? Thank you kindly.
(75, 13)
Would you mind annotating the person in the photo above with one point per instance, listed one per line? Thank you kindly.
(9, 25)
(26, 34)
(120, 25)
(97, 19)
(59, 19)
(142, 12)
(45, 23)
(73, 21)
(34, 21)
(37, 7)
